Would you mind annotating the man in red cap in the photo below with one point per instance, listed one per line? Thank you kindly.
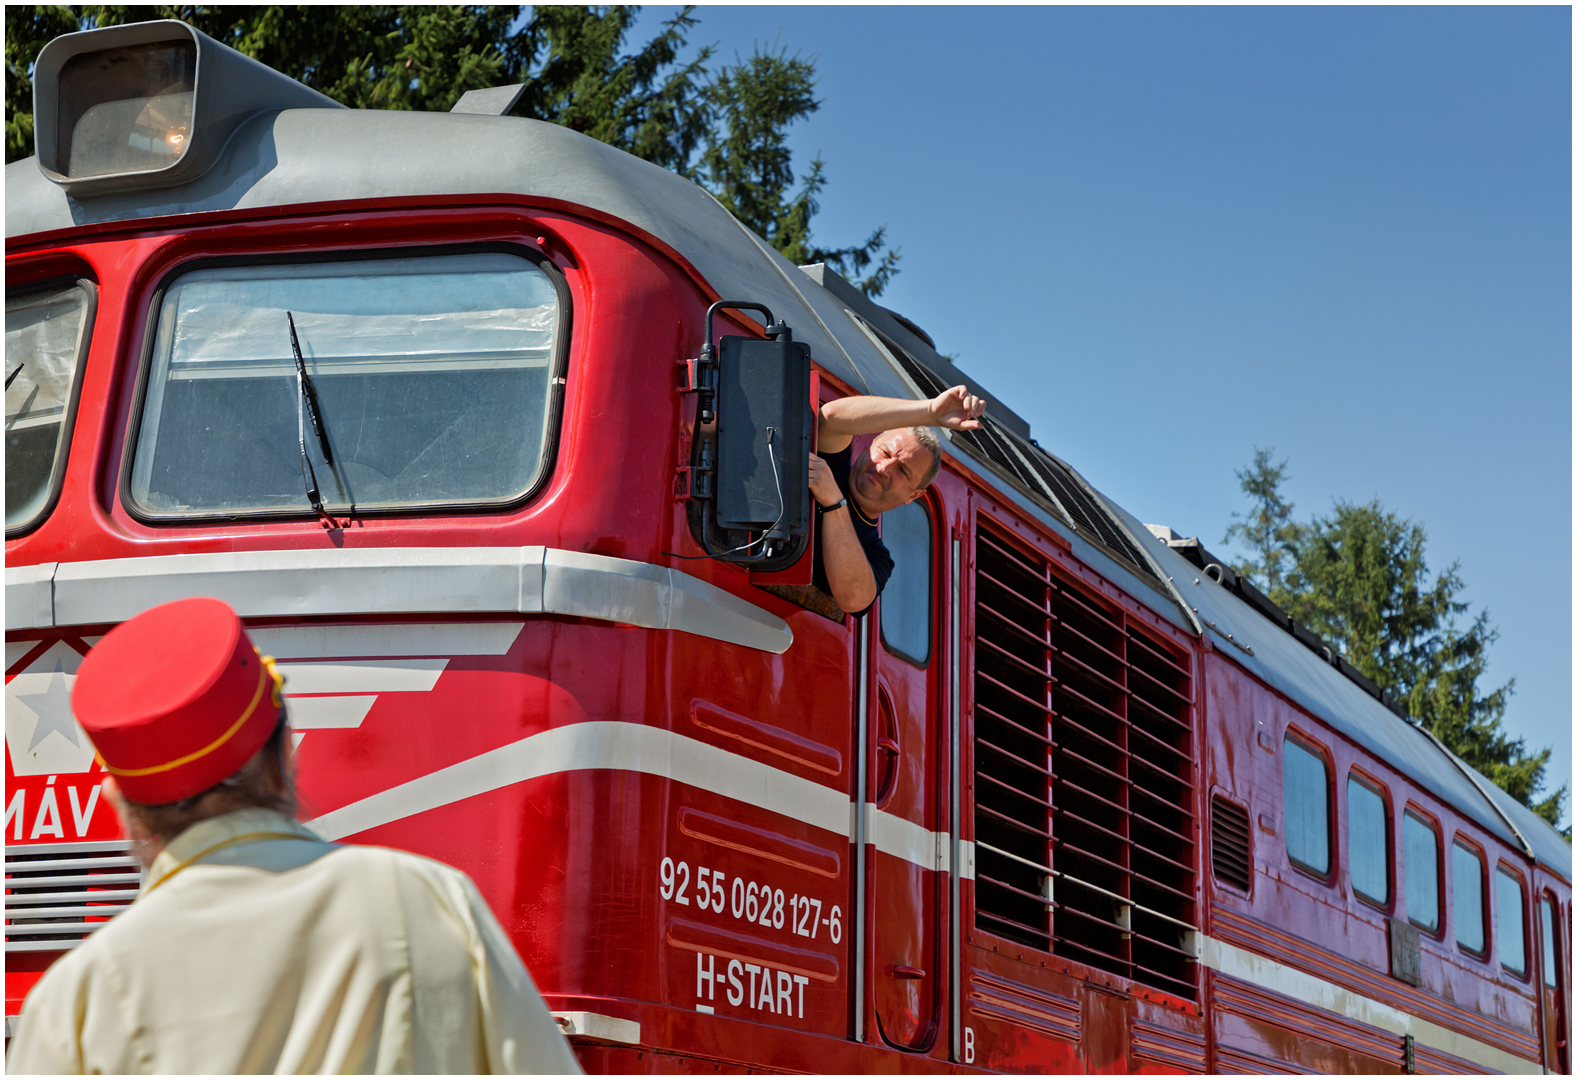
(255, 946)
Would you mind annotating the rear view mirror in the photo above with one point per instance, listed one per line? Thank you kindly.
(749, 500)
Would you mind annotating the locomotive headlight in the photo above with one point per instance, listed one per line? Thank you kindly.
(126, 110)
(147, 105)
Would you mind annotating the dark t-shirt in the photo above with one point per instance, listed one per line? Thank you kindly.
(870, 539)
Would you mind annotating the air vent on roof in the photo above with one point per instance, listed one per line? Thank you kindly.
(58, 894)
(1229, 852)
(1046, 479)
(1083, 768)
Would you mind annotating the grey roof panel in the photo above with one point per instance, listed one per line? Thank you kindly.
(329, 155)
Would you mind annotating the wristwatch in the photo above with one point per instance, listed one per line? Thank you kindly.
(820, 509)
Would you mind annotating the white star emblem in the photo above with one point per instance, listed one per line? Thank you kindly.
(53, 707)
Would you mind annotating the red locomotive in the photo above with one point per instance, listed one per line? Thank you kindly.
(1072, 798)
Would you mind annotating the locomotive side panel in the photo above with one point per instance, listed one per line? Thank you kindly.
(1323, 898)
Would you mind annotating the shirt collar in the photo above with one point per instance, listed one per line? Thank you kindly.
(214, 831)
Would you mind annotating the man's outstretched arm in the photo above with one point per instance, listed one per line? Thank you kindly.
(849, 572)
(845, 418)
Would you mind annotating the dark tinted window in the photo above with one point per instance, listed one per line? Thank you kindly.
(1306, 785)
(1366, 842)
(1421, 867)
(1467, 896)
(906, 601)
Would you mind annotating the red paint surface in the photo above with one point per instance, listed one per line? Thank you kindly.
(572, 863)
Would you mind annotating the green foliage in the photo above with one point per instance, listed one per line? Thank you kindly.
(725, 129)
(27, 30)
(1267, 529)
(1358, 577)
(750, 169)
(647, 104)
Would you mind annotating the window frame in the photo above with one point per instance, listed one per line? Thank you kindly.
(1474, 848)
(1379, 787)
(1515, 874)
(68, 420)
(931, 589)
(1424, 817)
(1316, 749)
(552, 417)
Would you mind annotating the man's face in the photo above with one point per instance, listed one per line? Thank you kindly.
(887, 475)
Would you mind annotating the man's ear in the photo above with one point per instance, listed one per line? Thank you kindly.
(913, 495)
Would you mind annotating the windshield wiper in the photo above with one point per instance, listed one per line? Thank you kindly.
(307, 396)
(11, 378)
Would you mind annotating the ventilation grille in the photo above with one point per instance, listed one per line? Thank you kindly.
(1229, 854)
(58, 894)
(1043, 477)
(1083, 776)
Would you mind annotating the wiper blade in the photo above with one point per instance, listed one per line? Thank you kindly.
(306, 397)
(308, 393)
(11, 378)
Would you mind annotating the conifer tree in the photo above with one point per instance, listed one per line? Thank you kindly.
(1359, 578)
(724, 129)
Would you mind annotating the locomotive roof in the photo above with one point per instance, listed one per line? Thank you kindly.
(302, 156)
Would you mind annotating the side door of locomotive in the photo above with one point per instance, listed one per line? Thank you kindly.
(906, 731)
(1554, 955)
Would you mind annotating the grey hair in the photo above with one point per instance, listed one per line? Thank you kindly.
(927, 438)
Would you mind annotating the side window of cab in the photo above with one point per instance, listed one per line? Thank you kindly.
(47, 329)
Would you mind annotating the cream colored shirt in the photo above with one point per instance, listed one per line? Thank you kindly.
(257, 947)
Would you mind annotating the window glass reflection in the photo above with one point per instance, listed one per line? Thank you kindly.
(1467, 897)
(432, 375)
(1421, 870)
(1306, 794)
(1366, 846)
(45, 336)
(906, 601)
(1508, 921)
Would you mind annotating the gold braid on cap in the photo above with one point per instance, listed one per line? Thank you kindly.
(273, 673)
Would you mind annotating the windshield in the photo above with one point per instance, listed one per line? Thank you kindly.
(45, 337)
(432, 378)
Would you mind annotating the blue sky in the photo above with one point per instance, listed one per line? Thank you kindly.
(1169, 235)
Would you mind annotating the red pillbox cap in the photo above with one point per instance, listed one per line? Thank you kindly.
(176, 699)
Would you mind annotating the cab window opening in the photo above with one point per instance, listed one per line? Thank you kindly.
(1421, 871)
(47, 331)
(1368, 845)
(1306, 799)
(434, 375)
(1467, 897)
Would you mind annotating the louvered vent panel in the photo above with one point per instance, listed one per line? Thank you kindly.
(1083, 770)
(1012, 745)
(1229, 852)
(58, 894)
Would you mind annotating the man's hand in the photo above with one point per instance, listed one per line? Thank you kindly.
(957, 409)
(823, 488)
